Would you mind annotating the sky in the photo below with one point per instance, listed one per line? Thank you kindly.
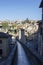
(20, 9)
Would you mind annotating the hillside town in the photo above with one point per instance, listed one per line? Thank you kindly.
(21, 41)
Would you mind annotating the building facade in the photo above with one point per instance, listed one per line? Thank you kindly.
(22, 36)
(40, 37)
(4, 44)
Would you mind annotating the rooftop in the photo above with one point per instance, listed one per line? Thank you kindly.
(4, 35)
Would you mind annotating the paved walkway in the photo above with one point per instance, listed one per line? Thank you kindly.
(22, 58)
(31, 55)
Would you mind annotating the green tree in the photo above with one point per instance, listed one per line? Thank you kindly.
(13, 25)
(33, 22)
(5, 25)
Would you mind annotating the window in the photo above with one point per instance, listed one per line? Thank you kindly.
(0, 52)
(0, 41)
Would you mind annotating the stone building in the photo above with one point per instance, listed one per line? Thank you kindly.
(40, 37)
(4, 44)
(22, 35)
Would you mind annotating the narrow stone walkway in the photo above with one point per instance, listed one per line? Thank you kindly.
(22, 58)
